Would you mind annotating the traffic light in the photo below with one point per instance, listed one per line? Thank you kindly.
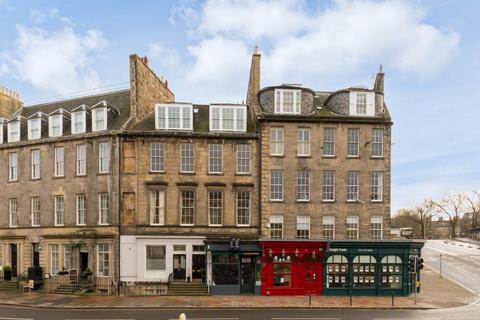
(412, 264)
(419, 264)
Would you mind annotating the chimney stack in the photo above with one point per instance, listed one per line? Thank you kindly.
(379, 80)
(254, 80)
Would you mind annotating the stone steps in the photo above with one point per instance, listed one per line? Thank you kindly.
(187, 289)
(9, 286)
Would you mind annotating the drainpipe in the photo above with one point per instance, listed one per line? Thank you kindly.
(119, 165)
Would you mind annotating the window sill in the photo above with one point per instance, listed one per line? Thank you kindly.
(277, 156)
(186, 225)
(329, 157)
(302, 201)
(275, 200)
(243, 225)
(187, 173)
(215, 225)
(243, 174)
(329, 201)
(103, 224)
(304, 156)
(80, 175)
(157, 225)
(59, 225)
(81, 225)
(376, 201)
(352, 157)
(58, 177)
(156, 172)
(35, 179)
(377, 157)
(12, 181)
(215, 173)
(35, 226)
(103, 173)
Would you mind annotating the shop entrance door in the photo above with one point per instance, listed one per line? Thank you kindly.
(83, 261)
(36, 255)
(312, 276)
(198, 267)
(247, 279)
(179, 266)
(13, 259)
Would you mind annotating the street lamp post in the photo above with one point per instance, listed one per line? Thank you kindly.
(440, 265)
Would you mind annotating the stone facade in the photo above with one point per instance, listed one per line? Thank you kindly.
(9, 102)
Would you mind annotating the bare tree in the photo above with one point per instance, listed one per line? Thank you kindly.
(453, 206)
(473, 202)
(425, 211)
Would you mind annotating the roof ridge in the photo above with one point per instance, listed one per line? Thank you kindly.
(77, 98)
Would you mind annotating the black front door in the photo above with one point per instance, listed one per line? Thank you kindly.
(83, 261)
(247, 280)
(36, 254)
(198, 267)
(13, 256)
(179, 266)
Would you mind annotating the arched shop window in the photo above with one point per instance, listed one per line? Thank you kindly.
(364, 271)
(337, 271)
(282, 271)
(392, 272)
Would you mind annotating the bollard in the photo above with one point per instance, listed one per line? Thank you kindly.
(310, 299)
(350, 298)
(182, 317)
(393, 299)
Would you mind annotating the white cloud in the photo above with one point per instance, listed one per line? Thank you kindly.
(165, 57)
(302, 43)
(6, 5)
(59, 61)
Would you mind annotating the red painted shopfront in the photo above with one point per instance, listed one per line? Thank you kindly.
(292, 267)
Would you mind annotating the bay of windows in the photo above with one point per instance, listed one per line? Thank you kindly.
(224, 118)
(173, 116)
(287, 101)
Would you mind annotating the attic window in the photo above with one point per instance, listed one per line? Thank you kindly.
(55, 125)
(226, 118)
(79, 122)
(287, 101)
(99, 119)
(173, 116)
(34, 129)
(362, 103)
(13, 129)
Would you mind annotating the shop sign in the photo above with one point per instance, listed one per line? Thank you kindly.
(365, 250)
(337, 249)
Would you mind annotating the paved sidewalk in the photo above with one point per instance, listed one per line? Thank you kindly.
(437, 293)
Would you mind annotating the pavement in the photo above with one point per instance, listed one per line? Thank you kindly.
(436, 293)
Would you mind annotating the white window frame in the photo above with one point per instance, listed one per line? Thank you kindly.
(51, 122)
(215, 214)
(80, 209)
(34, 125)
(277, 137)
(181, 206)
(81, 159)
(353, 183)
(13, 166)
(103, 209)
(303, 185)
(352, 225)
(377, 186)
(368, 105)
(353, 139)
(104, 157)
(2, 121)
(167, 110)
(35, 211)
(243, 158)
(361, 103)
(102, 263)
(12, 212)
(377, 142)
(35, 161)
(328, 185)
(303, 142)
(328, 221)
(157, 207)
(329, 141)
(54, 259)
(280, 101)
(276, 187)
(375, 222)
(216, 119)
(82, 116)
(67, 257)
(95, 113)
(59, 210)
(303, 224)
(244, 206)
(184, 157)
(157, 156)
(59, 164)
(215, 158)
(277, 220)
(13, 131)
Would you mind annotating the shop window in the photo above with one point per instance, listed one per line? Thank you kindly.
(179, 247)
(337, 271)
(392, 272)
(364, 268)
(198, 248)
(155, 259)
(225, 269)
(282, 274)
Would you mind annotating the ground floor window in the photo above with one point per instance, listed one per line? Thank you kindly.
(364, 271)
(103, 260)
(225, 269)
(155, 259)
(67, 257)
(54, 258)
(392, 272)
(282, 274)
(337, 271)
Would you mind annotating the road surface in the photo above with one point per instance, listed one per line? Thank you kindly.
(460, 261)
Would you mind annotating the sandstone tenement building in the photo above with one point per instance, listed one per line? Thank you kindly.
(146, 190)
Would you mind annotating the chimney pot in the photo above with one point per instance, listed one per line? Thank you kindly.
(166, 83)
(145, 60)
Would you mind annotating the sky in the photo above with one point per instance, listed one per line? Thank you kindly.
(430, 51)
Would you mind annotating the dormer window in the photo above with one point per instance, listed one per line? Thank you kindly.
(79, 122)
(99, 119)
(55, 125)
(362, 103)
(228, 118)
(174, 116)
(2, 121)
(14, 131)
(34, 129)
(287, 101)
